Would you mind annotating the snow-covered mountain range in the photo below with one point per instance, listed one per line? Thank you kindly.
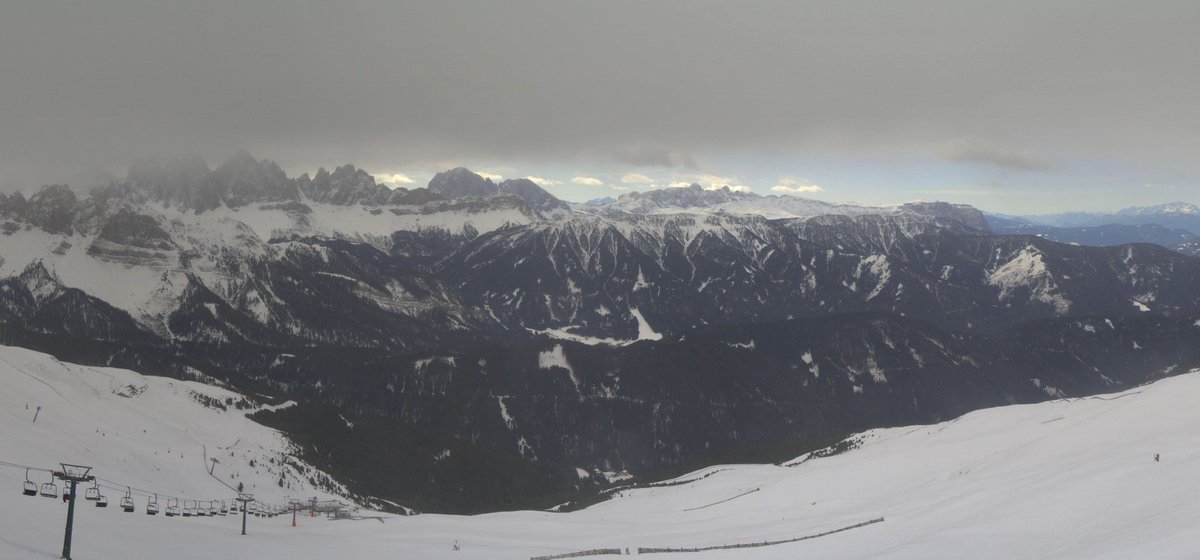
(475, 323)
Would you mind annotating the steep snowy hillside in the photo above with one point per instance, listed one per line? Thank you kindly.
(1062, 480)
(151, 434)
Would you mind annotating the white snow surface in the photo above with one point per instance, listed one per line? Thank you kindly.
(149, 433)
(1067, 479)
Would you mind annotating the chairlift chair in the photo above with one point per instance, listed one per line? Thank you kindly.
(152, 505)
(102, 501)
(172, 507)
(224, 508)
(30, 488)
(212, 510)
(92, 494)
(66, 491)
(187, 510)
(49, 489)
(127, 501)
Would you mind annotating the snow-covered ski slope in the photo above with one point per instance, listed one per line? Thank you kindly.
(1062, 480)
(153, 434)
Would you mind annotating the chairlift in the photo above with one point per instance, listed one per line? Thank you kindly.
(49, 489)
(66, 491)
(152, 505)
(127, 501)
(212, 509)
(224, 508)
(30, 488)
(92, 494)
(188, 510)
(102, 501)
(172, 507)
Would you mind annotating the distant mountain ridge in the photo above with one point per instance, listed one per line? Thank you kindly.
(695, 198)
(1105, 235)
(1175, 215)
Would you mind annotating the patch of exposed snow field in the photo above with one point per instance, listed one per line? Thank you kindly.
(1064, 479)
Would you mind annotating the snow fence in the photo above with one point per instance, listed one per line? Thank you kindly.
(642, 550)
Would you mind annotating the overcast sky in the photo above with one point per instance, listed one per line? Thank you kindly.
(1012, 106)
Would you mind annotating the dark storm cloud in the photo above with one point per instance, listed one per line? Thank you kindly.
(654, 157)
(1006, 157)
(98, 83)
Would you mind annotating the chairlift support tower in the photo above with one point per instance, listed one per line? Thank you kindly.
(73, 474)
(245, 499)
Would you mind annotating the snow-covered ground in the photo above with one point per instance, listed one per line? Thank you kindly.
(152, 434)
(1061, 480)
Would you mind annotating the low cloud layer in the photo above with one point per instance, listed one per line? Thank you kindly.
(687, 85)
(794, 185)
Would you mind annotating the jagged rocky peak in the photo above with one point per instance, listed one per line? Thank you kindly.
(189, 184)
(244, 180)
(536, 197)
(178, 182)
(53, 209)
(460, 182)
(346, 185)
(693, 196)
(12, 204)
